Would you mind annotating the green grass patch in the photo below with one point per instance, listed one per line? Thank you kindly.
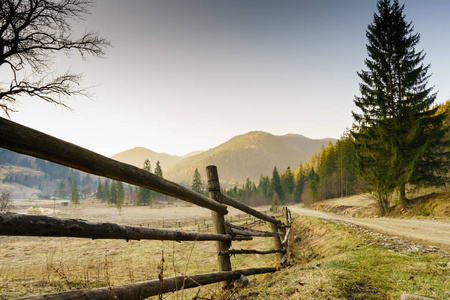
(333, 261)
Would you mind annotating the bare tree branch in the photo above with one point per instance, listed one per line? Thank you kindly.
(31, 31)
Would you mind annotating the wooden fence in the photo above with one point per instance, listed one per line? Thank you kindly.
(27, 141)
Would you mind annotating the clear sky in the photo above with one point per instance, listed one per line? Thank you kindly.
(187, 75)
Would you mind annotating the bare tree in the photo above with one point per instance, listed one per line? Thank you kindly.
(31, 32)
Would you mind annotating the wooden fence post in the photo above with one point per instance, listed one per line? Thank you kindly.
(218, 221)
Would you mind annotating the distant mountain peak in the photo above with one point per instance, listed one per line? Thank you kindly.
(244, 156)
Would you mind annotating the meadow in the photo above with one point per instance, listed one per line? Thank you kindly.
(39, 265)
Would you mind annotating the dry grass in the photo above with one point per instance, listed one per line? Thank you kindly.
(39, 265)
(330, 261)
(436, 205)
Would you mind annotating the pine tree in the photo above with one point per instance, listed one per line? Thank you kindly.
(99, 189)
(327, 172)
(396, 134)
(275, 184)
(287, 182)
(197, 185)
(348, 183)
(158, 170)
(147, 165)
(299, 180)
(112, 198)
(264, 185)
(314, 181)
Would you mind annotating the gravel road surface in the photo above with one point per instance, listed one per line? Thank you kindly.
(427, 232)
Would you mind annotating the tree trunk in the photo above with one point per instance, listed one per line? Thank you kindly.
(403, 198)
(383, 203)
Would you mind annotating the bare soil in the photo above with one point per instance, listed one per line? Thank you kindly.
(429, 232)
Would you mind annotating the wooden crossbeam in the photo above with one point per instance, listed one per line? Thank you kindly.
(250, 232)
(250, 251)
(145, 289)
(33, 225)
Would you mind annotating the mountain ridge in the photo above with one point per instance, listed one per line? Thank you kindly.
(243, 156)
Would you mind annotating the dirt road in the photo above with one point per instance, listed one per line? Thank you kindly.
(427, 232)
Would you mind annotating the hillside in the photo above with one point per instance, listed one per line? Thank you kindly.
(138, 155)
(248, 155)
(23, 175)
(244, 156)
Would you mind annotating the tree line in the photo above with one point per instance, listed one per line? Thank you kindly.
(115, 193)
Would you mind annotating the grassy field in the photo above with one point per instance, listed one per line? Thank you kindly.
(333, 261)
(327, 261)
(39, 265)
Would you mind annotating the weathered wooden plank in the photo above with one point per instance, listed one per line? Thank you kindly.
(32, 225)
(286, 241)
(276, 241)
(218, 221)
(250, 232)
(286, 238)
(247, 209)
(250, 251)
(28, 141)
(145, 289)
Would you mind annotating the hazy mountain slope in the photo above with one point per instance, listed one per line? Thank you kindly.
(138, 155)
(247, 155)
(23, 175)
(306, 145)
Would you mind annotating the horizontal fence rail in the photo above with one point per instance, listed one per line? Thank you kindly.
(236, 204)
(28, 141)
(33, 225)
(145, 289)
(251, 232)
(250, 251)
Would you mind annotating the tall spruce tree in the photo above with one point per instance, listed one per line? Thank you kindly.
(147, 165)
(397, 135)
(275, 184)
(287, 182)
(264, 185)
(158, 170)
(112, 197)
(197, 184)
(299, 179)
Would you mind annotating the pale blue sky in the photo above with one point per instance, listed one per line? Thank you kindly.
(188, 75)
